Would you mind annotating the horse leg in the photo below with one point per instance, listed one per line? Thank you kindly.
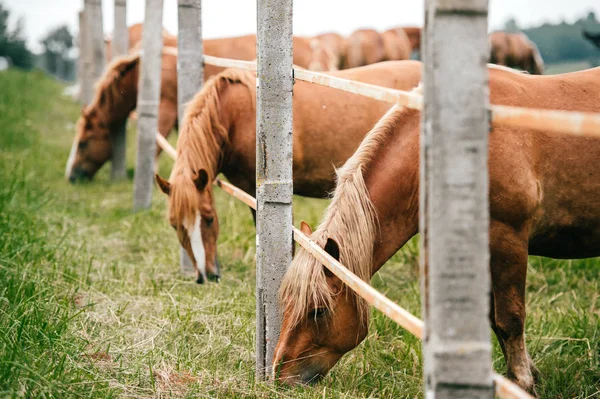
(495, 326)
(508, 250)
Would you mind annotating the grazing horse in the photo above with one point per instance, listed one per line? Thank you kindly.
(365, 47)
(544, 200)
(218, 135)
(515, 50)
(594, 38)
(336, 43)
(116, 98)
(397, 44)
(414, 36)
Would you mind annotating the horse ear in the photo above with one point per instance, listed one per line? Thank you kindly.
(201, 179)
(333, 249)
(305, 228)
(164, 185)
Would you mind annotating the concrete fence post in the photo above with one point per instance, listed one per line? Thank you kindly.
(274, 186)
(96, 32)
(85, 59)
(147, 104)
(454, 202)
(119, 47)
(190, 74)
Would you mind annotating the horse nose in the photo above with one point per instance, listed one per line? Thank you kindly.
(216, 276)
(78, 174)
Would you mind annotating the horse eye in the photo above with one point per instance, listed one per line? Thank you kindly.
(209, 221)
(82, 145)
(317, 313)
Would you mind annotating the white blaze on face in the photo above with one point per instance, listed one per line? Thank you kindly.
(197, 245)
(71, 159)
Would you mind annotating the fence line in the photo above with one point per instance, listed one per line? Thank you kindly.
(505, 389)
(229, 63)
(569, 122)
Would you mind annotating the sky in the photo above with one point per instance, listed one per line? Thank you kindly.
(223, 18)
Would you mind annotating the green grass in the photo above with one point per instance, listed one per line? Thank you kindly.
(92, 303)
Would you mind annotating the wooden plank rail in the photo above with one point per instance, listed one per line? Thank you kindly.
(504, 388)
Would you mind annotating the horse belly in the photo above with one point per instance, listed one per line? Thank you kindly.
(567, 242)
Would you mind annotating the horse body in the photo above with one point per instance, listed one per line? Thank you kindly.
(414, 36)
(219, 135)
(365, 47)
(515, 50)
(397, 44)
(543, 201)
(335, 43)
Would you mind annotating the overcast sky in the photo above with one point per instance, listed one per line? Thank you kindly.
(236, 17)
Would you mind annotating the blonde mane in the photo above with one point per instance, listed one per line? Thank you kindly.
(201, 139)
(350, 220)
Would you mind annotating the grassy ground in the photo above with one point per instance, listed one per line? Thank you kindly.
(92, 303)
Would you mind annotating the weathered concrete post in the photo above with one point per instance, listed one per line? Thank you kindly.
(190, 73)
(273, 170)
(455, 222)
(147, 104)
(119, 47)
(96, 32)
(86, 80)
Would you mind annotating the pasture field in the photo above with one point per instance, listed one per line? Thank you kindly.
(92, 302)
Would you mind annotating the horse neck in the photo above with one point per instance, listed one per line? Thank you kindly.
(123, 101)
(392, 179)
(209, 126)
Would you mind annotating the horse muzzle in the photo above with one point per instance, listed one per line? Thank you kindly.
(79, 174)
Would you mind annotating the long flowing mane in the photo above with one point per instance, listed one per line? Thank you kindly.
(350, 220)
(107, 93)
(201, 140)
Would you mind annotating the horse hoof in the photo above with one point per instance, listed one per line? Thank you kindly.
(200, 279)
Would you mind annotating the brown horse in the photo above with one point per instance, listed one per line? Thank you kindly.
(116, 97)
(135, 38)
(414, 36)
(515, 50)
(543, 201)
(336, 43)
(365, 47)
(219, 136)
(397, 44)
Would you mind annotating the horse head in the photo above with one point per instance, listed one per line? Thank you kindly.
(115, 98)
(193, 216)
(322, 319)
(91, 147)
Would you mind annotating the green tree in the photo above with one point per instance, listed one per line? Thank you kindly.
(12, 43)
(57, 44)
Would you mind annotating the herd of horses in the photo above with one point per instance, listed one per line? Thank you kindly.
(544, 191)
